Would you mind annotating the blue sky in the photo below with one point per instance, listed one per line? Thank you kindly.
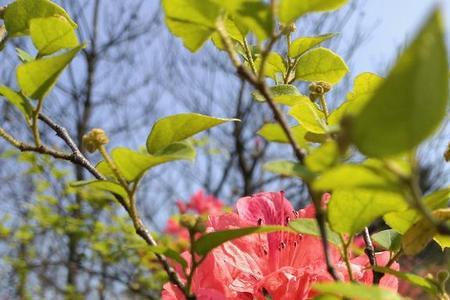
(394, 22)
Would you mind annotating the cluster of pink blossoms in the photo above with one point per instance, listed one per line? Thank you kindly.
(281, 265)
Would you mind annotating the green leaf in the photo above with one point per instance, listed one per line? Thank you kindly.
(18, 15)
(191, 20)
(274, 133)
(274, 65)
(175, 128)
(356, 291)
(308, 115)
(18, 100)
(52, 34)
(303, 44)
(211, 240)
(103, 185)
(133, 165)
(310, 227)
(412, 102)
(291, 100)
(235, 32)
(321, 65)
(414, 279)
(278, 90)
(37, 78)
(349, 176)
(254, 14)
(388, 239)
(289, 168)
(24, 56)
(169, 253)
(364, 87)
(349, 211)
(402, 221)
(323, 157)
(290, 10)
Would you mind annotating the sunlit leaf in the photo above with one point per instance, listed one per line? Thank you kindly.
(132, 165)
(175, 128)
(18, 100)
(303, 44)
(290, 10)
(321, 65)
(52, 34)
(37, 78)
(278, 90)
(102, 185)
(349, 211)
(411, 103)
(273, 132)
(364, 87)
(191, 20)
(19, 13)
(308, 115)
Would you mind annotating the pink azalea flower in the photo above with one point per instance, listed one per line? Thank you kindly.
(281, 265)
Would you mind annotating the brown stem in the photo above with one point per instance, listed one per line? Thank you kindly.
(370, 252)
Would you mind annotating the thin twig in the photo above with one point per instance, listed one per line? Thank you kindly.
(370, 252)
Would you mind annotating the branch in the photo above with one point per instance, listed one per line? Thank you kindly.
(260, 85)
(78, 158)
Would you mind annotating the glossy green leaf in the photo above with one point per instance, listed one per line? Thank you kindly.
(388, 239)
(236, 33)
(303, 44)
(349, 176)
(321, 65)
(291, 100)
(24, 56)
(289, 168)
(254, 14)
(273, 132)
(323, 157)
(18, 100)
(402, 221)
(356, 291)
(211, 240)
(308, 115)
(278, 90)
(364, 87)
(38, 77)
(52, 34)
(414, 279)
(170, 253)
(412, 102)
(274, 65)
(102, 185)
(349, 211)
(133, 165)
(309, 226)
(290, 10)
(175, 128)
(18, 15)
(191, 20)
